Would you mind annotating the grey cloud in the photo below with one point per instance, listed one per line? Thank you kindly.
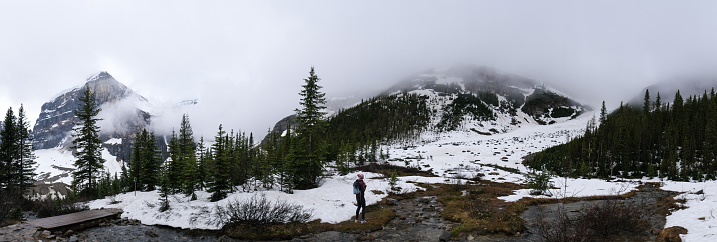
(245, 60)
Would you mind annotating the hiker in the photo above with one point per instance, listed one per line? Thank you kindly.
(359, 189)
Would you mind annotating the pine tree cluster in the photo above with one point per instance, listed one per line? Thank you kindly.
(677, 141)
(17, 159)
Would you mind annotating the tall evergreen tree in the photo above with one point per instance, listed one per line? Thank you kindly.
(220, 180)
(173, 165)
(165, 187)
(8, 151)
(187, 157)
(26, 156)
(310, 118)
(89, 163)
(203, 158)
(646, 105)
(603, 113)
(136, 161)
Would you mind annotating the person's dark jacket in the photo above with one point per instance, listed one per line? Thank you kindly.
(362, 188)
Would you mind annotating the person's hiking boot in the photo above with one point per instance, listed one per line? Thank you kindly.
(364, 221)
(356, 221)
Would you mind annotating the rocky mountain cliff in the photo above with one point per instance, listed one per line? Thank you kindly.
(121, 110)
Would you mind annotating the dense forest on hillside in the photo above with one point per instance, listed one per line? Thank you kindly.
(379, 119)
(676, 141)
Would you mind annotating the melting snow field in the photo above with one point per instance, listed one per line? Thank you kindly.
(699, 216)
(452, 156)
(56, 165)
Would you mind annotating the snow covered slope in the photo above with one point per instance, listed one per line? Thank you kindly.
(514, 101)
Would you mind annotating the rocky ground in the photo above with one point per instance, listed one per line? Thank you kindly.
(418, 219)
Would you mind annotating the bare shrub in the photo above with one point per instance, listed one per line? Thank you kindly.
(259, 211)
(202, 213)
(113, 200)
(7, 204)
(50, 206)
(593, 222)
(613, 217)
(561, 228)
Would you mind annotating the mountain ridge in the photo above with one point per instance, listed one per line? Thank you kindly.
(509, 100)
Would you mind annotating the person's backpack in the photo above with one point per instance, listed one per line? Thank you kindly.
(357, 190)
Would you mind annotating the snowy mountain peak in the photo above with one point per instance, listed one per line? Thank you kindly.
(100, 76)
(57, 118)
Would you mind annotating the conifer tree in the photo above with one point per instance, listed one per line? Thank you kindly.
(136, 160)
(646, 105)
(220, 180)
(146, 160)
(265, 159)
(8, 152)
(89, 163)
(26, 167)
(203, 164)
(310, 118)
(187, 157)
(165, 187)
(173, 165)
(286, 168)
(603, 113)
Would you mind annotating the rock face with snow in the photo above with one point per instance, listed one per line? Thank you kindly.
(57, 118)
(507, 94)
(123, 113)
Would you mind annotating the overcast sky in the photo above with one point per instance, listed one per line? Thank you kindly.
(245, 60)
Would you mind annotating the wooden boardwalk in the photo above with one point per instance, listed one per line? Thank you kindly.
(73, 218)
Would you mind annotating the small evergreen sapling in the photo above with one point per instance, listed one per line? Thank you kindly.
(539, 182)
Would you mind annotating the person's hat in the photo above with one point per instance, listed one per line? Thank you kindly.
(360, 176)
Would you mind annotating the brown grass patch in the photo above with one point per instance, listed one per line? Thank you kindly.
(665, 205)
(480, 211)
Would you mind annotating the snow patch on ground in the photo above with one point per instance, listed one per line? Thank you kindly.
(570, 187)
(332, 202)
(700, 216)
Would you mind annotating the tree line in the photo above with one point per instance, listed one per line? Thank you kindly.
(677, 141)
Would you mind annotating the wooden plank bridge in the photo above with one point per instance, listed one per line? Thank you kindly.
(74, 218)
